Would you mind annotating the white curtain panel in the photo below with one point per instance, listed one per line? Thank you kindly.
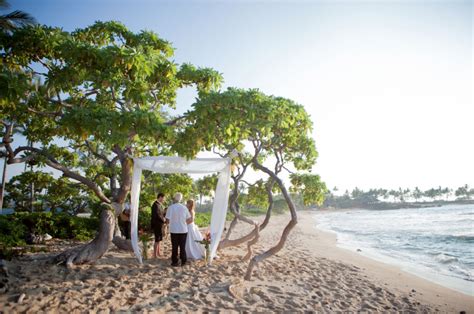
(165, 164)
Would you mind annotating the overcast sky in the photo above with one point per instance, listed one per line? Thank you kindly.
(389, 85)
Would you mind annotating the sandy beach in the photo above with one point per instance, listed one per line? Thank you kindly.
(310, 274)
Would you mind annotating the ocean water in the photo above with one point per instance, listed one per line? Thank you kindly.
(435, 243)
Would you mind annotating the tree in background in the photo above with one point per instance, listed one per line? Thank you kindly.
(167, 184)
(433, 193)
(464, 193)
(51, 194)
(383, 193)
(206, 186)
(256, 195)
(417, 194)
(103, 91)
(394, 194)
(447, 193)
(356, 193)
(405, 194)
(19, 190)
(310, 187)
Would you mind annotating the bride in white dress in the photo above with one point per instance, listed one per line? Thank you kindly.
(194, 250)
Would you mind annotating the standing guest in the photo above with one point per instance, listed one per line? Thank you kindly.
(125, 221)
(157, 222)
(178, 217)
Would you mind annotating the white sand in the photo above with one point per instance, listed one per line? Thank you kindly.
(311, 273)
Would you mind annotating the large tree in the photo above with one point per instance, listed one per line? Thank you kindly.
(91, 99)
(274, 131)
(205, 186)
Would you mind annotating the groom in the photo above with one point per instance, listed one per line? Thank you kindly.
(178, 217)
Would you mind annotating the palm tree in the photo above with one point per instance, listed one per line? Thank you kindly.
(417, 194)
(15, 19)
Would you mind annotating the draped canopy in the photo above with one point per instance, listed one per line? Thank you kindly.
(165, 164)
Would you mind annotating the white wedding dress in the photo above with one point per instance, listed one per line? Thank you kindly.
(194, 250)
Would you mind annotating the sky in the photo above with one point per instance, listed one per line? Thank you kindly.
(388, 84)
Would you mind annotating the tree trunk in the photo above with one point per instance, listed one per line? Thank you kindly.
(98, 247)
(294, 220)
(228, 243)
(251, 243)
(122, 243)
(234, 207)
(253, 235)
(232, 225)
(95, 249)
(2, 191)
(270, 204)
(258, 258)
(119, 240)
(32, 196)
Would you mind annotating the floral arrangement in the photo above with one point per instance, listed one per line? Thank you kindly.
(145, 238)
(206, 241)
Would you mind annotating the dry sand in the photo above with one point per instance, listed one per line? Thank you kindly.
(310, 274)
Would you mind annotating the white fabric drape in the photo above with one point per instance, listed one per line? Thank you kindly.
(165, 164)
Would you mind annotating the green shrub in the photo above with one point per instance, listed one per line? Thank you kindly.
(203, 220)
(82, 228)
(14, 228)
(144, 219)
(12, 231)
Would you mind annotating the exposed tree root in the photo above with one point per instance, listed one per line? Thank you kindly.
(228, 242)
(93, 250)
(122, 244)
(258, 258)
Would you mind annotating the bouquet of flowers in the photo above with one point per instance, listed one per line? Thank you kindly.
(206, 241)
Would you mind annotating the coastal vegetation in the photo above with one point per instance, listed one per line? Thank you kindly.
(401, 198)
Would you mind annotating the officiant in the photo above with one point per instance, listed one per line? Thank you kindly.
(157, 222)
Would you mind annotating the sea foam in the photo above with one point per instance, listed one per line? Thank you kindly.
(435, 243)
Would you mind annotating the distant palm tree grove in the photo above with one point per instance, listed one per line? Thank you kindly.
(382, 198)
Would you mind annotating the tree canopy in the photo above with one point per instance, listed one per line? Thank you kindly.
(310, 187)
(232, 119)
(102, 90)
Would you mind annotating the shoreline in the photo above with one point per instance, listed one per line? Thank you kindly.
(350, 243)
(384, 273)
(309, 274)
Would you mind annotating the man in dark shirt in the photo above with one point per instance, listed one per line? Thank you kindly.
(157, 221)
